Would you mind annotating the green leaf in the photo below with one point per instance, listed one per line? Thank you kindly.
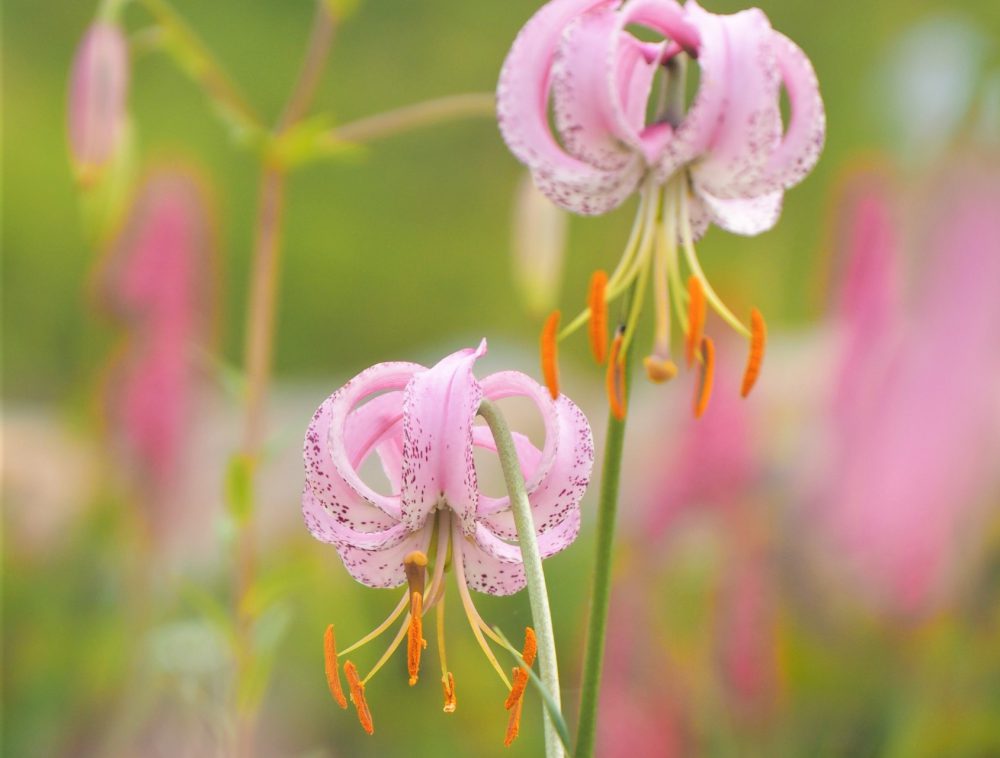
(239, 487)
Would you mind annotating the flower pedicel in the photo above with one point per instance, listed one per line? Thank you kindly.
(421, 428)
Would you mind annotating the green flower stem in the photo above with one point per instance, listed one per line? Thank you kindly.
(597, 627)
(538, 596)
(426, 113)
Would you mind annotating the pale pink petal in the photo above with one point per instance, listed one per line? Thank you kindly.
(362, 527)
(803, 141)
(750, 129)
(332, 444)
(667, 18)
(384, 568)
(523, 118)
(580, 93)
(97, 97)
(552, 541)
(699, 217)
(700, 124)
(484, 572)
(438, 465)
(748, 216)
(528, 456)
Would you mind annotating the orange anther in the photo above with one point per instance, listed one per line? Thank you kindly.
(332, 668)
(758, 340)
(358, 697)
(615, 378)
(598, 316)
(550, 357)
(659, 369)
(448, 684)
(696, 318)
(520, 679)
(514, 720)
(415, 641)
(707, 373)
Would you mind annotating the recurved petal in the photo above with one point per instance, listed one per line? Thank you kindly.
(528, 456)
(485, 572)
(551, 542)
(439, 407)
(564, 466)
(581, 96)
(383, 568)
(523, 117)
(748, 216)
(803, 141)
(355, 525)
(341, 435)
(750, 130)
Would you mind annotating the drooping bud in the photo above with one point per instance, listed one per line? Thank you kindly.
(97, 99)
(539, 246)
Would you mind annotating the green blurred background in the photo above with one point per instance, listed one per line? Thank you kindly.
(399, 253)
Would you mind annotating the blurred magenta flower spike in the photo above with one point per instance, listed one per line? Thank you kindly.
(156, 281)
(421, 429)
(915, 450)
(726, 160)
(97, 99)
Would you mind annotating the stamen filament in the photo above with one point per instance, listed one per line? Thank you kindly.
(470, 611)
(358, 697)
(447, 679)
(692, 260)
(550, 356)
(332, 668)
(659, 366)
(758, 341)
(400, 635)
(598, 316)
(704, 391)
(677, 292)
(379, 629)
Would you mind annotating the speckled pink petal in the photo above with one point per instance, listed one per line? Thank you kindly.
(523, 118)
(384, 568)
(664, 17)
(484, 572)
(528, 456)
(330, 427)
(438, 465)
(803, 141)
(699, 218)
(750, 130)
(551, 542)
(334, 509)
(580, 95)
(354, 525)
(748, 216)
(701, 122)
(560, 493)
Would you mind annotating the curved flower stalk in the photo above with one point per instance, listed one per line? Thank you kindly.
(97, 99)
(726, 161)
(421, 428)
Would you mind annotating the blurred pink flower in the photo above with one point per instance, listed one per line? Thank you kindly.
(97, 99)
(915, 450)
(727, 160)
(157, 281)
(730, 142)
(421, 429)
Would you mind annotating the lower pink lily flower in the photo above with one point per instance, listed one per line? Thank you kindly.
(727, 160)
(421, 429)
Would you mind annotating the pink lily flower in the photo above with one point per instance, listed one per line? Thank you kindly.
(97, 99)
(421, 429)
(727, 160)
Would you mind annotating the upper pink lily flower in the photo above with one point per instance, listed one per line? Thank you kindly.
(726, 160)
(97, 99)
(421, 429)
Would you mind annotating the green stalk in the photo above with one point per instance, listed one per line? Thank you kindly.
(607, 510)
(538, 596)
